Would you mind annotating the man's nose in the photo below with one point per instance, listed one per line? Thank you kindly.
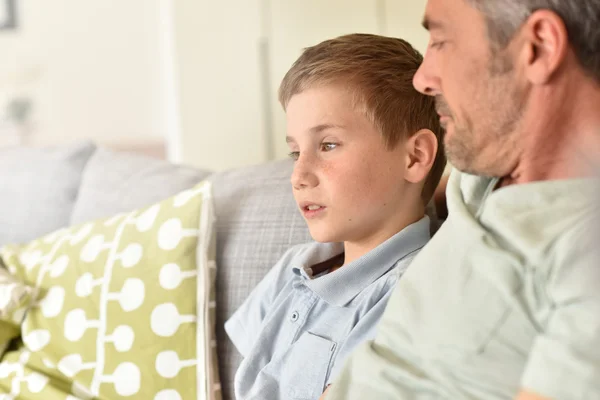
(303, 175)
(425, 79)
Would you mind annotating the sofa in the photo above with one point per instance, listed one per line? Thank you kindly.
(44, 189)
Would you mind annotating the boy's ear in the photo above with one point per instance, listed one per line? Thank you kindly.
(421, 149)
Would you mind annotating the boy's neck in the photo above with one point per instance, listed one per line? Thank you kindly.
(354, 250)
(328, 265)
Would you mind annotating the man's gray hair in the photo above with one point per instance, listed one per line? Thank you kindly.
(581, 18)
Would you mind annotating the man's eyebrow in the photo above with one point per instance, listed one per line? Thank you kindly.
(316, 129)
(430, 24)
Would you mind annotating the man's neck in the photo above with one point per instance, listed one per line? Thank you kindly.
(562, 130)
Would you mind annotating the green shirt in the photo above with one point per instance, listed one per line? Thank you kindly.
(505, 296)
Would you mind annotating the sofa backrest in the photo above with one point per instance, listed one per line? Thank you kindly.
(257, 221)
(38, 189)
(115, 182)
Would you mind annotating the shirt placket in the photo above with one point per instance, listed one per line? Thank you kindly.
(300, 312)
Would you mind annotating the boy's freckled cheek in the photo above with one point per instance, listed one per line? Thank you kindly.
(337, 174)
(355, 177)
(328, 169)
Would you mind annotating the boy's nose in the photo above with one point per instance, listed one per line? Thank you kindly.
(302, 176)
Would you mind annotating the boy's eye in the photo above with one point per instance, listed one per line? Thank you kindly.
(294, 155)
(328, 146)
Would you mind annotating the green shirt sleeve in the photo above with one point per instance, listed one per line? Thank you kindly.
(564, 362)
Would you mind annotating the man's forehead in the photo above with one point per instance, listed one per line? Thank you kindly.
(445, 15)
(436, 14)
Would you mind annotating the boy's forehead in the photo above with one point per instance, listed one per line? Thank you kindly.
(318, 104)
(317, 129)
(328, 109)
(327, 104)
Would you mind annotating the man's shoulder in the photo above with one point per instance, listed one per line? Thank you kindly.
(578, 238)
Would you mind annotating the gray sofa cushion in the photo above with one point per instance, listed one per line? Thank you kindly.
(257, 221)
(114, 182)
(39, 187)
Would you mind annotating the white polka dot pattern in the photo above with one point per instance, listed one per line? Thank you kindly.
(117, 311)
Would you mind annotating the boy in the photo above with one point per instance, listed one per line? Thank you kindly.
(367, 151)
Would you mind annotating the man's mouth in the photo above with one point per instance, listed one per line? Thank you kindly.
(442, 109)
(445, 120)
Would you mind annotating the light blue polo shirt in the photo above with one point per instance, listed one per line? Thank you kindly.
(300, 323)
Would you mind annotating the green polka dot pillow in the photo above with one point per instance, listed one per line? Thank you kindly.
(15, 295)
(124, 307)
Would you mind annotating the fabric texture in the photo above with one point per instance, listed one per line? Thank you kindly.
(15, 298)
(505, 296)
(39, 189)
(295, 330)
(257, 222)
(125, 308)
(115, 182)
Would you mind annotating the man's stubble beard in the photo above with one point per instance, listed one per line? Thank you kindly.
(483, 149)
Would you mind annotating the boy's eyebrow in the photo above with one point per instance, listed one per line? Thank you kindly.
(316, 129)
(323, 127)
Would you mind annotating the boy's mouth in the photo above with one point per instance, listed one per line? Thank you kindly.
(311, 210)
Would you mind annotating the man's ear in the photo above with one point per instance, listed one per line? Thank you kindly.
(421, 149)
(547, 44)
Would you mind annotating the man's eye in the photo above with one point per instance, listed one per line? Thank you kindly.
(328, 146)
(437, 45)
(294, 155)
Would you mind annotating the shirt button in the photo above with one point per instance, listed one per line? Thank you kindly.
(294, 316)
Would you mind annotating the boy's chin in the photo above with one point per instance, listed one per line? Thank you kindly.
(321, 236)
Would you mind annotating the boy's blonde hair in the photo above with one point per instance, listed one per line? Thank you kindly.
(379, 70)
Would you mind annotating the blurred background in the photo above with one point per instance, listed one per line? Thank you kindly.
(191, 81)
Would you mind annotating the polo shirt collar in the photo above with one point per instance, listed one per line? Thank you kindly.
(341, 286)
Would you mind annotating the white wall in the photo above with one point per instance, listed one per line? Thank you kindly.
(217, 45)
(92, 67)
(403, 19)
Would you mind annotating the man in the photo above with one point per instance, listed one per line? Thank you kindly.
(504, 302)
